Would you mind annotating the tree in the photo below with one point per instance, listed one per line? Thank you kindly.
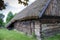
(9, 16)
(1, 16)
(25, 2)
(1, 20)
(2, 5)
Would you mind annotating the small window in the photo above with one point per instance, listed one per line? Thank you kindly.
(26, 23)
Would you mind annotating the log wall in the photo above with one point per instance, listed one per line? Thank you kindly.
(33, 26)
(28, 27)
(50, 29)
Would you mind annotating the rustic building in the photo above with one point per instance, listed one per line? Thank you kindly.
(42, 17)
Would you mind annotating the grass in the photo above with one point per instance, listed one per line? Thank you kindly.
(13, 35)
(55, 37)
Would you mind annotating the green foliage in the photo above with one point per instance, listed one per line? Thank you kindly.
(1, 16)
(9, 16)
(1, 20)
(4, 24)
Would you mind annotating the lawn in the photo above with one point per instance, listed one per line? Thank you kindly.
(13, 35)
(55, 37)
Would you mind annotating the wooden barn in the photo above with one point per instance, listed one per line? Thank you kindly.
(42, 17)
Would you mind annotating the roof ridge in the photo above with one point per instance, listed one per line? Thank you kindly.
(44, 8)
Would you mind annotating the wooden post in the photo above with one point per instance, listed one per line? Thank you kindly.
(34, 26)
(41, 37)
(40, 32)
(30, 28)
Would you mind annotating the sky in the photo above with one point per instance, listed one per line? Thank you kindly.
(13, 6)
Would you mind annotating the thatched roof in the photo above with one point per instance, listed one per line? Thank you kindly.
(35, 10)
(32, 10)
(53, 8)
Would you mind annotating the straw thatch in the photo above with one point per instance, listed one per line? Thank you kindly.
(53, 8)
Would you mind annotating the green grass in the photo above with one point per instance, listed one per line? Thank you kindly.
(56, 37)
(13, 35)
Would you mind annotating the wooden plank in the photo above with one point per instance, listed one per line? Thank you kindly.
(49, 20)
